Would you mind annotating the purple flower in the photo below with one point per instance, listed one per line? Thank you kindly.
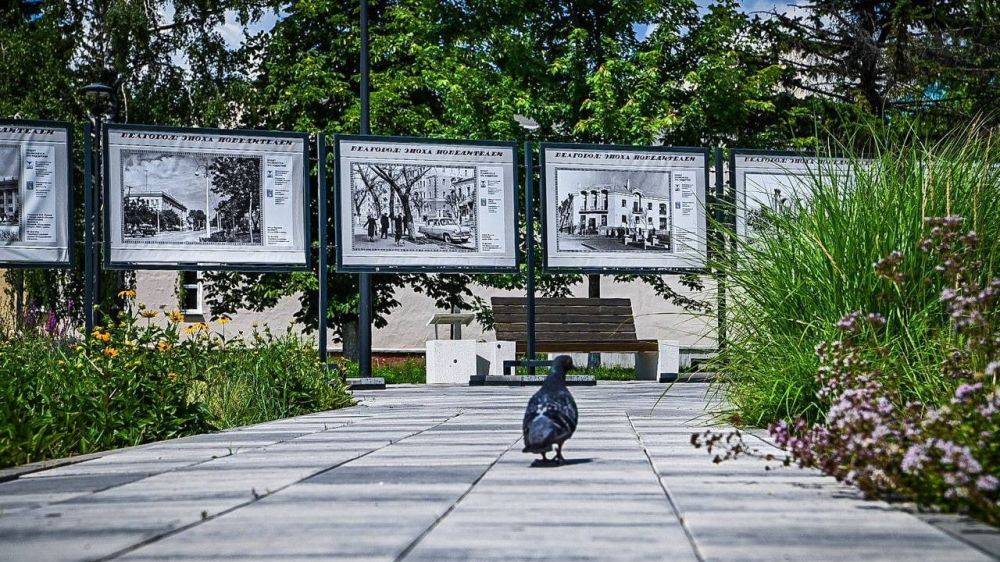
(964, 391)
(987, 483)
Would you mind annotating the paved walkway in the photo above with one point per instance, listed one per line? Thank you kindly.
(421, 473)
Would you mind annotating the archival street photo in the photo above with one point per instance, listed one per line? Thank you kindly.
(34, 193)
(627, 208)
(183, 196)
(613, 210)
(414, 208)
(412, 204)
(191, 198)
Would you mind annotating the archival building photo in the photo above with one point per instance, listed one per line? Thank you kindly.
(189, 197)
(10, 193)
(613, 210)
(415, 204)
(608, 207)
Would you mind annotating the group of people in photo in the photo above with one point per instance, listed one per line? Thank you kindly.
(380, 228)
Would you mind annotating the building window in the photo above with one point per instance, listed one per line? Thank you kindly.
(624, 203)
(663, 208)
(649, 206)
(191, 293)
(604, 220)
(663, 223)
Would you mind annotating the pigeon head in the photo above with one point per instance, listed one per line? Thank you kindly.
(562, 365)
(564, 362)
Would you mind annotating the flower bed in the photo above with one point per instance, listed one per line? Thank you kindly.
(133, 382)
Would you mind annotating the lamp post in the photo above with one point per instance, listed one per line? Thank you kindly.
(98, 94)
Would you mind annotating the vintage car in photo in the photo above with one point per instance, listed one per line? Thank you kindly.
(445, 229)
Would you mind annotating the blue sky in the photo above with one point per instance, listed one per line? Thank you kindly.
(234, 32)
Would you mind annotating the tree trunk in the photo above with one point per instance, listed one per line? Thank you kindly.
(349, 337)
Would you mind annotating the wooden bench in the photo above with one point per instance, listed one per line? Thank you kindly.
(582, 325)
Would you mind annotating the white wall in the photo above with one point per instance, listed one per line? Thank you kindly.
(655, 318)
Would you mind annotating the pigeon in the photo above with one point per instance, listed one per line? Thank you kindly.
(550, 418)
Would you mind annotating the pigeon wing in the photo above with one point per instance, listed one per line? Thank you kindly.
(533, 409)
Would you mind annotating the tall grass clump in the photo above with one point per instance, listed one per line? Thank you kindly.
(801, 270)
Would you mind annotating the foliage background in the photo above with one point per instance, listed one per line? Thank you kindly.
(628, 71)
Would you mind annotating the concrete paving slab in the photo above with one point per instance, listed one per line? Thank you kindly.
(419, 473)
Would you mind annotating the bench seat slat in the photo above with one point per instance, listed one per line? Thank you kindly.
(521, 301)
(557, 347)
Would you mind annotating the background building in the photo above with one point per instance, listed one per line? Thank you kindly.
(599, 208)
(10, 201)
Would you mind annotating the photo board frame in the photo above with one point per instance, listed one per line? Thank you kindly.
(206, 199)
(774, 179)
(36, 194)
(410, 204)
(624, 209)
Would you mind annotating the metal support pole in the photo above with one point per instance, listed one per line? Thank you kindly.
(324, 268)
(364, 279)
(594, 292)
(89, 273)
(720, 218)
(529, 205)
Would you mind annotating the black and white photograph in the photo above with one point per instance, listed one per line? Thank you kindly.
(229, 199)
(10, 194)
(625, 208)
(769, 194)
(413, 207)
(613, 210)
(425, 204)
(191, 198)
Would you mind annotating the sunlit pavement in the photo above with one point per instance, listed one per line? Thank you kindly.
(436, 473)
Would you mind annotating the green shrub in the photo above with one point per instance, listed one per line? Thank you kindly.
(805, 270)
(134, 382)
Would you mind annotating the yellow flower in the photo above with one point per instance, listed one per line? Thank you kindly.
(224, 320)
(110, 351)
(191, 329)
(176, 316)
(101, 335)
(163, 345)
(172, 376)
(146, 313)
(126, 294)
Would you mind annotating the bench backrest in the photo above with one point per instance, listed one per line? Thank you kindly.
(563, 320)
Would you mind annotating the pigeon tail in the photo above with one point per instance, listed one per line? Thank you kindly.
(541, 436)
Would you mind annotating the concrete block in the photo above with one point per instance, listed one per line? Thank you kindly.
(450, 361)
(490, 356)
(647, 366)
(669, 363)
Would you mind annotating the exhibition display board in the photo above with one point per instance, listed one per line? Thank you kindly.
(416, 204)
(205, 199)
(610, 208)
(36, 194)
(767, 181)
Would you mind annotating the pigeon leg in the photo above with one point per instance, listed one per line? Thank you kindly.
(544, 458)
(559, 456)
